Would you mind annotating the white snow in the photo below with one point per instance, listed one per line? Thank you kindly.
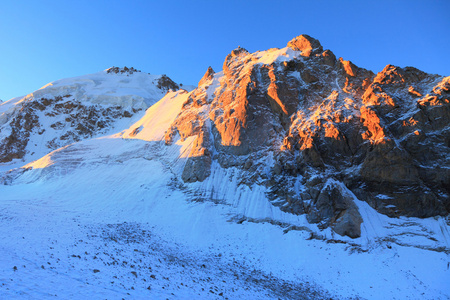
(118, 206)
(136, 90)
(276, 55)
(110, 218)
(158, 118)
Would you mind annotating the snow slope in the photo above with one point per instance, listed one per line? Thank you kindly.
(110, 218)
(158, 118)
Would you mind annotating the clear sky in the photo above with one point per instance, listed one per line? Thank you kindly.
(42, 41)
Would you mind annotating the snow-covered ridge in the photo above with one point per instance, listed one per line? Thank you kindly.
(136, 90)
(72, 109)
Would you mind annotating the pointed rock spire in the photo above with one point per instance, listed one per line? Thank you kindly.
(329, 58)
(308, 45)
(208, 76)
(349, 67)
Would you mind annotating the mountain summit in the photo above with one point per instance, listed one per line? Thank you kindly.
(315, 130)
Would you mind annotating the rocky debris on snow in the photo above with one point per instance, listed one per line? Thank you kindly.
(117, 70)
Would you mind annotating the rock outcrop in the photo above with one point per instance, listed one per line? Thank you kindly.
(208, 76)
(166, 84)
(342, 131)
(306, 44)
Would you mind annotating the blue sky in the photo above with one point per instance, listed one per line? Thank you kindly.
(42, 41)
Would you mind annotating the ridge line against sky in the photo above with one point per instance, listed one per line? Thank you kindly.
(43, 41)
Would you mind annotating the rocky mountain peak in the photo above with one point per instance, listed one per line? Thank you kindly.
(349, 68)
(239, 50)
(340, 129)
(166, 84)
(308, 45)
(208, 76)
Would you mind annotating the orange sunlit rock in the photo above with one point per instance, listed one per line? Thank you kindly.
(410, 122)
(429, 101)
(208, 76)
(413, 91)
(366, 83)
(375, 95)
(442, 87)
(306, 44)
(230, 125)
(306, 141)
(331, 131)
(272, 91)
(347, 86)
(371, 120)
(390, 75)
(348, 67)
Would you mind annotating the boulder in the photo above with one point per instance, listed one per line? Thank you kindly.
(335, 207)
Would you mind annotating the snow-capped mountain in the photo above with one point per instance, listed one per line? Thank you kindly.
(73, 109)
(314, 129)
(289, 174)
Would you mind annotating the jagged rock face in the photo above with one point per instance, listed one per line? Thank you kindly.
(66, 121)
(384, 138)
